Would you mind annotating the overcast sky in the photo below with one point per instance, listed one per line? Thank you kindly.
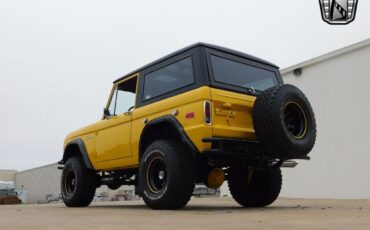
(58, 58)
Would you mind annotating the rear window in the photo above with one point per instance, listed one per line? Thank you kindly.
(242, 75)
(174, 76)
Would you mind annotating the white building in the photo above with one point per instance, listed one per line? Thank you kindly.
(337, 85)
(43, 183)
(7, 175)
(38, 183)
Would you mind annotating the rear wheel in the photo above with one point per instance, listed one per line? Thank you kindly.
(78, 183)
(254, 188)
(166, 175)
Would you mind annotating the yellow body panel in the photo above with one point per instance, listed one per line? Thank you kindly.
(114, 143)
(232, 114)
(113, 139)
(87, 134)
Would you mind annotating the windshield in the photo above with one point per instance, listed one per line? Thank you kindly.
(242, 75)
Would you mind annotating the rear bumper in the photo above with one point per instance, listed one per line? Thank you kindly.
(227, 147)
(230, 147)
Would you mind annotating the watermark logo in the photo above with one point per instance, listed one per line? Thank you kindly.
(338, 12)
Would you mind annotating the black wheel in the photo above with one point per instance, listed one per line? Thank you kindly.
(254, 188)
(284, 122)
(166, 175)
(78, 183)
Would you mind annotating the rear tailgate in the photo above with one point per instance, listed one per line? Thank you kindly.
(232, 114)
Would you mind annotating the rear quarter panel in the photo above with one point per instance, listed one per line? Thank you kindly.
(191, 101)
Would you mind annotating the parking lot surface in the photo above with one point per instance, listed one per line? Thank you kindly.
(200, 213)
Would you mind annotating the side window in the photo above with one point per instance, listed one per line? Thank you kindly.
(123, 98)
(168, 78)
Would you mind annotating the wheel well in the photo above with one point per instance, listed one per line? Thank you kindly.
(160, 130)
(71, 150)
(77, 147)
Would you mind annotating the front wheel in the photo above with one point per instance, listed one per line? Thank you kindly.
(78, 183)
(254, 188)
(166, 175)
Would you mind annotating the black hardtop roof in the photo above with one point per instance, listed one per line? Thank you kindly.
(200, 44)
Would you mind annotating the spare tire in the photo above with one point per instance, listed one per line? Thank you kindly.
(284, 122)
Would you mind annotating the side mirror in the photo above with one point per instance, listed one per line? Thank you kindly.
(106, 112)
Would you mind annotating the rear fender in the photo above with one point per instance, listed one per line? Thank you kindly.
(159, 124)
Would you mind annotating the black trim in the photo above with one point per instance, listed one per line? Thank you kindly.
(243, 60)
(199, 78)
(222, 147)
(199, 45)
(203, 76)
(229, 140)
(79, 142)
(175, 124)
(176, 89)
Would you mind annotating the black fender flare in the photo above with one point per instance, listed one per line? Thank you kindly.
(174, 123)
(81, 145)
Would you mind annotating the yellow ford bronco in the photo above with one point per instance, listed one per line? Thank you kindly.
(203, 114)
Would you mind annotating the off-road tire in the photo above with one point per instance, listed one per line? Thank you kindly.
(85, 183)
(272, 131)
(179, 183)
(260, 189)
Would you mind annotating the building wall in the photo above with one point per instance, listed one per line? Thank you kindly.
(339, 92)
(338, 88)
(42, 181)
(7, 175)
(39, 182)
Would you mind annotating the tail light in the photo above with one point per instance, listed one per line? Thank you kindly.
(207, 112)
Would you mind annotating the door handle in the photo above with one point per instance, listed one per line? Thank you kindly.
(227, 106)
